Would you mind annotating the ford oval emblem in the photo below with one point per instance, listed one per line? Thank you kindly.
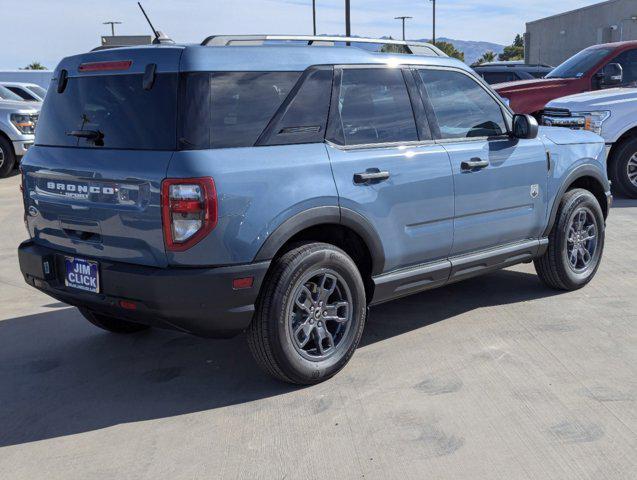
(33, 212)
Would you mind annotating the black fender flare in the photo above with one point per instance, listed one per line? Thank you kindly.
(579, 172)
(320, 216)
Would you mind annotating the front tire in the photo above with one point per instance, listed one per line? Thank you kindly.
(112, 324)
(310, 315)
(623, 168)
(576, 243)
(7, 157)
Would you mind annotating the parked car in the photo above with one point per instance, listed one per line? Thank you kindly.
(17, 129)
(595, 68)
(502, 72)
(29, 92)
(282, 190)
(611, 114)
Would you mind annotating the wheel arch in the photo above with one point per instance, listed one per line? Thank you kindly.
(629, 134)
(341, 227)
(588, 178)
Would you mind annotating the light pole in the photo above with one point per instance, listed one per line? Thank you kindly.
(403, 19)
(433, 39)
(112, 24)
(348, 19)
(314, 15)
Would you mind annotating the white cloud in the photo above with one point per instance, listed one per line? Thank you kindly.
(46, 30)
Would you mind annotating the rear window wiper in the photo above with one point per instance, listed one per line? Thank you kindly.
(88, 134)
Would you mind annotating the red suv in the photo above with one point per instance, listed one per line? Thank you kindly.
(596, 67)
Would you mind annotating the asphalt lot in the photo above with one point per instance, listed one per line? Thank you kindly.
(494, 378)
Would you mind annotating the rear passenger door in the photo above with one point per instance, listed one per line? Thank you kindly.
(500, 181)
(386, 166)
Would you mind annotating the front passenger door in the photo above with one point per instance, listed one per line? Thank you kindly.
(500, 181)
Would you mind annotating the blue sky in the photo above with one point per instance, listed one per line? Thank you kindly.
(47, 30)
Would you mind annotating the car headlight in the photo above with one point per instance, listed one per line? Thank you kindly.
(593, 121)
(25, 123)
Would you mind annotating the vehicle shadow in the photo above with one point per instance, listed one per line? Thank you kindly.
(60, 376)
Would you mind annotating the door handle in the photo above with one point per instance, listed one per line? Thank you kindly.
(372, 175)
(474, 164)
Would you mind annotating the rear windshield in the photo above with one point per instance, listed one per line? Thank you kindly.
(117, 107)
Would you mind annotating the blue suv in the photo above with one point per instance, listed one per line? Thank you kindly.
(282, 189)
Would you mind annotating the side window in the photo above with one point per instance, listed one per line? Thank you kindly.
(374, 107)
(305, 118)
(628, 61)
(462, 107)
(224, 110)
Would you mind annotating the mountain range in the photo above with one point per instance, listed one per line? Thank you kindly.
(473, 50)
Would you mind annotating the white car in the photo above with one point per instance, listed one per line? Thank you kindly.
(29, 92)
(612, 114)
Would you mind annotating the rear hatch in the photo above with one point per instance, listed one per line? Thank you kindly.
(103, 145)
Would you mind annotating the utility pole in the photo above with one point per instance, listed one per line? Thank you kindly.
(433, 40)
(314, 15)
(112, 24)
(348, 19)
(403, 19)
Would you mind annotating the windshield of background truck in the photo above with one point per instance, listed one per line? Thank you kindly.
(579, 64)
(6, 94)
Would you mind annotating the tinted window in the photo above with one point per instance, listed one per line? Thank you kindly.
(6, 94)
(499, 77)
(24, 94)
(305, 118)
(628, 61)
(374, 107)
(118, 107)
(223, 110)
(462, 107)
(579, 64)
(39, 91)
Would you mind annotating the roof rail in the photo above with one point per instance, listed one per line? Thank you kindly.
(414, 48)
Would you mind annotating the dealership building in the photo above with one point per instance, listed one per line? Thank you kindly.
(552, 40)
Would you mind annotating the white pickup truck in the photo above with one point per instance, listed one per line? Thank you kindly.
(613, 115)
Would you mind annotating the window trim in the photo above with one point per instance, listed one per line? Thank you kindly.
(332, 124)
(507, 115)
(270, 131)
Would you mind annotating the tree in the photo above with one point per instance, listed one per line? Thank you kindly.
(450, 50)
(35, 66)
(515, 51)
(487, 57)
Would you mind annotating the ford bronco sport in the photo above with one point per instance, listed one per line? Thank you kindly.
(283, 189)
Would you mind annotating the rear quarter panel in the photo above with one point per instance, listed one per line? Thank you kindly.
(257, 190)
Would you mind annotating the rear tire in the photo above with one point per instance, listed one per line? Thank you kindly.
(310, 315)
(7, 157)
(576, 243)
(623, 168)
(112, 324)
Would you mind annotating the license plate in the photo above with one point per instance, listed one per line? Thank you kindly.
(82, 274)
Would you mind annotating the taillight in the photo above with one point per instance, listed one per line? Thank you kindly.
(189, 211)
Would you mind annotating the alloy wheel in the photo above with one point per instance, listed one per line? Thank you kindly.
(321, 315)
(581, 240)
(631, 169)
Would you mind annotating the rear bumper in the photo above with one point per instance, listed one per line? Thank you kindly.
(200, 301)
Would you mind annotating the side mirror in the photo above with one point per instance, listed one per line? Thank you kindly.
(525, 126)
(611, 75)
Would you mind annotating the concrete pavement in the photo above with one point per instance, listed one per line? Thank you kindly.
(494, 378)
